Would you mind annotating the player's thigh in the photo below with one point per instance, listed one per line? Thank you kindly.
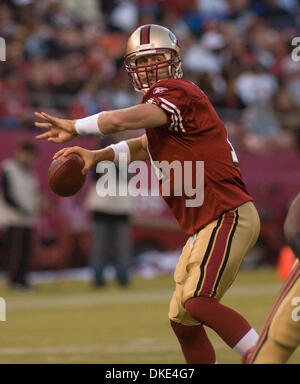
(241, 240)
(233, 236)
(281, 332)
(177, 312)
(191, 269)
(285, 327)
(272, 353)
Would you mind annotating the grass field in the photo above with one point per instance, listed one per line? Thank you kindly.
(70, 322)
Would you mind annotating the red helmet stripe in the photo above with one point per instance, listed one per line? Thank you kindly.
(145, 35)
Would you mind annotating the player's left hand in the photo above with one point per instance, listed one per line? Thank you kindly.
(57, 130)
(89, 157)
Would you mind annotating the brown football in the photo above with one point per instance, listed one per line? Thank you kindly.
(64, 175)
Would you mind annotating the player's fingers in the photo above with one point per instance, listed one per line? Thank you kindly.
(42, 116)
(59, 153)
(86, 167)
(66, 151)
(38, 114)
(56, 140)
(43, 125)
(84, 170)
(45, 135)
(50, 118)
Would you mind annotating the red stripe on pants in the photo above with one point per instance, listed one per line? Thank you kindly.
(217, 255)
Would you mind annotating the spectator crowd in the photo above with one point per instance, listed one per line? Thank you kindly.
(66, 58)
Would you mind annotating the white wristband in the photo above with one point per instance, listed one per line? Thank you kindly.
(122, 152)
(88, 126)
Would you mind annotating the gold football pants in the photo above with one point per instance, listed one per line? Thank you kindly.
(281, 333)
(210, 259)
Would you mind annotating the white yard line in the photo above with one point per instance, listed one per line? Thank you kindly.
(152, 345)
(86, 300)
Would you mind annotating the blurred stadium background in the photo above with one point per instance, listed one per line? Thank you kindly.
(66, 58)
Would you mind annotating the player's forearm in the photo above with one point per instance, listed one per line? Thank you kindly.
(135, 149)
(106, 123)
(124, 119)
(132, 118)
(105, 154)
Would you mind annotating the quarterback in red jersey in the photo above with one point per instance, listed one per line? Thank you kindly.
(197, 134)
(181, 126)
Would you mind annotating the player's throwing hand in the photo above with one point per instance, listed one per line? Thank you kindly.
(57, 130)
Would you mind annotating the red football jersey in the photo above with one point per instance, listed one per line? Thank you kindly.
(194, 133)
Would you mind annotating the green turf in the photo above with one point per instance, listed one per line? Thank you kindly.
(70, 322)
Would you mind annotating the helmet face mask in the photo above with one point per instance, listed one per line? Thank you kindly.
(143, 76)
(152, 40)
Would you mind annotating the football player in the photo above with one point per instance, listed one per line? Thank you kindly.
(182, 125)
(281, 332)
